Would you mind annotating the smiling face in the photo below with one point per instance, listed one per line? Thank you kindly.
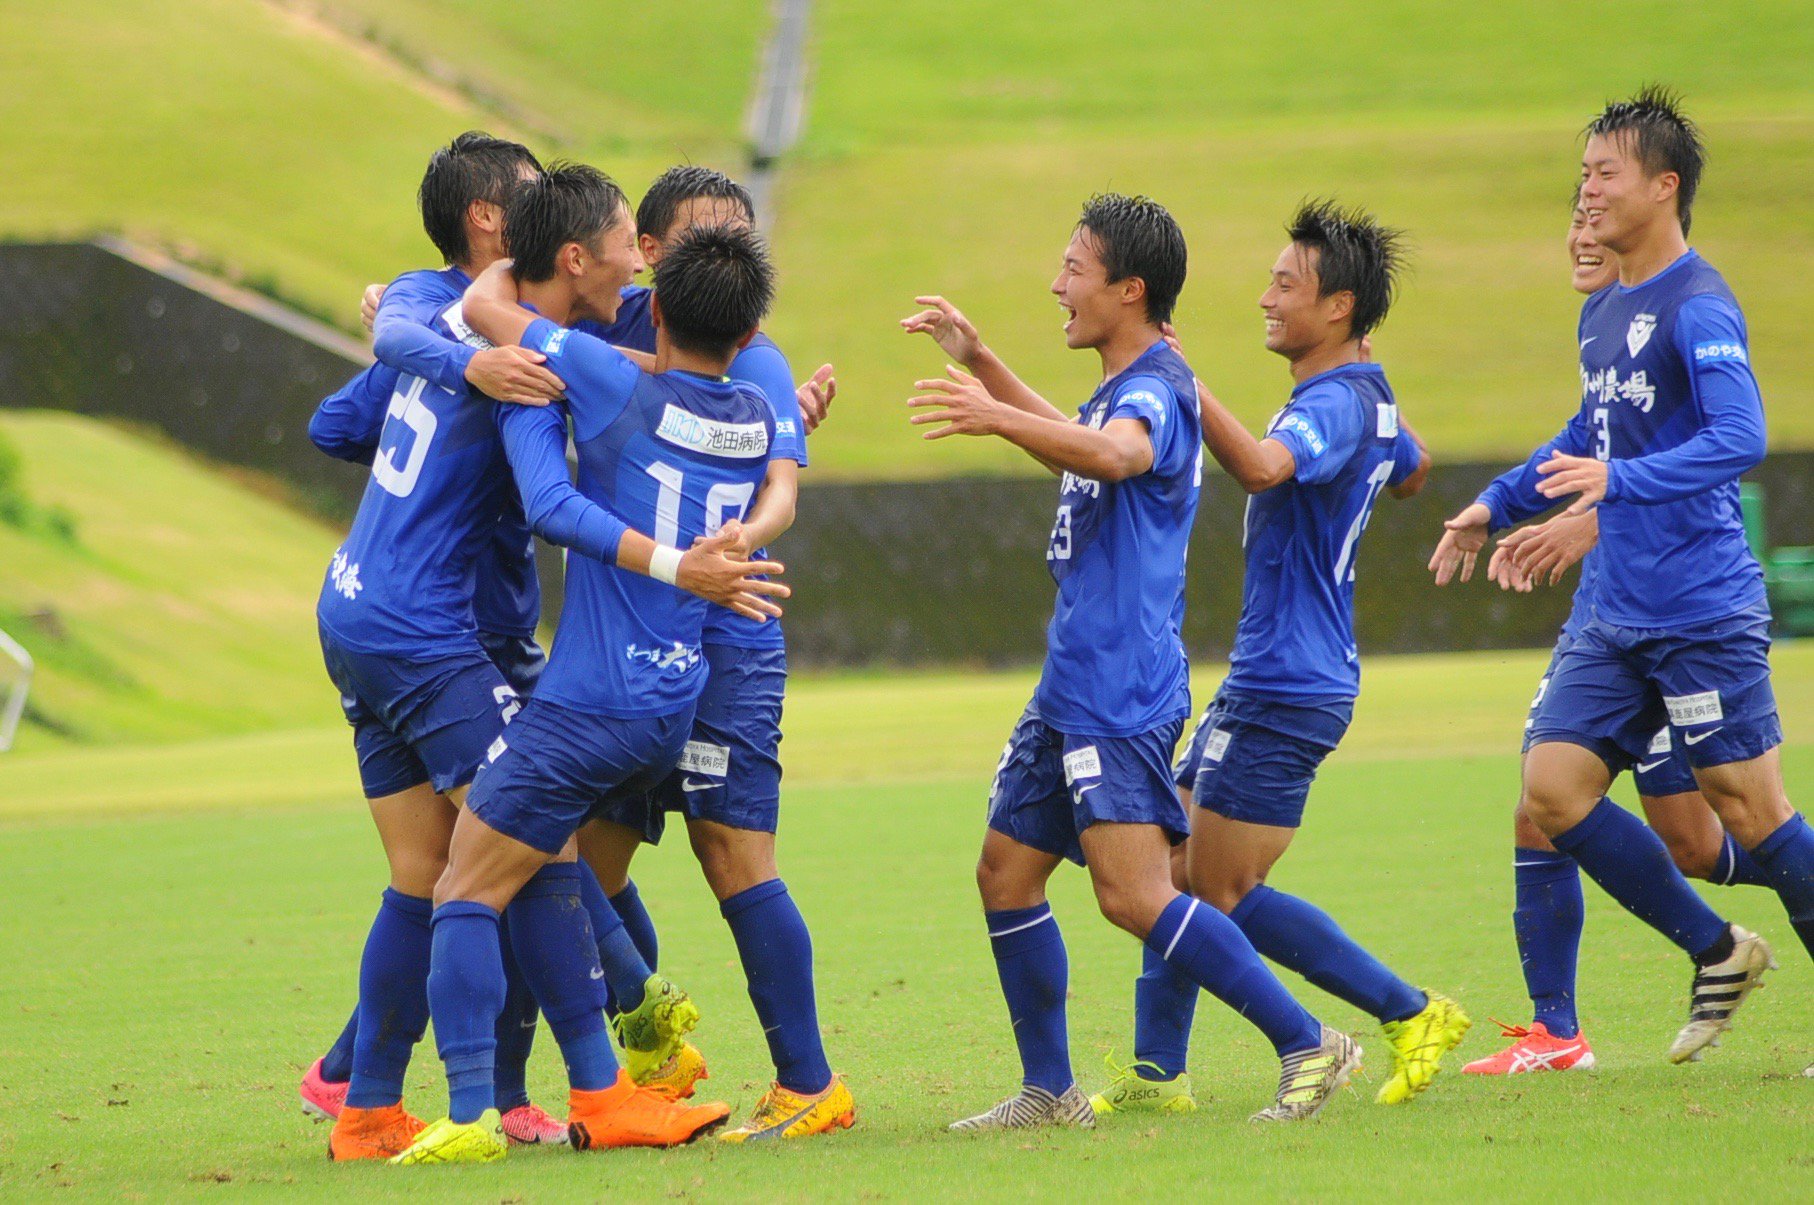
(1620, 201)
(601, 271)
(1092, 306)
(1297, 320)
(1591, 266)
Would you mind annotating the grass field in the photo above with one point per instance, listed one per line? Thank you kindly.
(948, 148)
(191, 943)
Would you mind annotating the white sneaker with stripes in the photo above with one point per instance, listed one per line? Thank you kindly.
(1032, 1107)
(1717, 991)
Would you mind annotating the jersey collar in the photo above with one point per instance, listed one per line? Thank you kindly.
(1685, 257)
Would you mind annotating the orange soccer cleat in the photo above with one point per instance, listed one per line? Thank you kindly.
(1535, 1050)
(627, 1115)
(372, 1133)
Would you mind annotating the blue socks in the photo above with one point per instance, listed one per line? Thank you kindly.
(1030, 959)
(516, 1033)
(1620, 853)
(1210, 949)
(337, 1063)
(1547, 917)
(1736, 867)
(393, 1000)
(777, 954)
(1165, 1004)
(628, 906)
(1787, 857)
(552, 936)
(625, 970)
(1301, 937)
(466, 993)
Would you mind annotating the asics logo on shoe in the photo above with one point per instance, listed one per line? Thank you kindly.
(1695, 738)
(1538, 1060)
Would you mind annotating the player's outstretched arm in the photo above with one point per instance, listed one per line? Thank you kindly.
(1255, 464)
(959, 405)
(957, 338)
(1462, 539)
(349, 421)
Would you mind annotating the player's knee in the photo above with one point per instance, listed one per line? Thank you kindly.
(417, 872)
(1693, 857)
(732, 861)
(1525, 833)
(1226, 892)
(1134, 908)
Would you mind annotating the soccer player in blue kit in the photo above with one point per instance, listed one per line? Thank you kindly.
(1549, 914)
(400, 639)
(728, 783)
(1294, 672)
(1680, 633)
(462, 197)
(681, 451)
(1086, 774)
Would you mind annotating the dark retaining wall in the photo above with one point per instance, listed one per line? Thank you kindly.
(949, 571)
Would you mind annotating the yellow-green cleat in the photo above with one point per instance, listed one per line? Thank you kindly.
(1129, 1092)
(657, 1026)
(447, 1141)
(1418, 1044)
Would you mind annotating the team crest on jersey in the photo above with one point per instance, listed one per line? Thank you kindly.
(739, 441)
(674, 661)
(1639, 332)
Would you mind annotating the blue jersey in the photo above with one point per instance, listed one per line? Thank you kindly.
(402, 582)
(673, 454)
(1669, 400)
(507, 595)
(1301, 538)
(761, 364)
(1115, 663)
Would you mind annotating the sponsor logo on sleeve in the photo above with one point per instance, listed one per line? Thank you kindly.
(1313, 439)
(455, 318)
(702, 758)
(1388, 419)
(736, 441)
(1216, 747)
(1146, 399)
(1082, 763)
(1687, 710)
(554, 340)
(1713, 353)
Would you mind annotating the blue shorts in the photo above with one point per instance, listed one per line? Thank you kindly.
(1710, 683)
(558, 767)
(1253, 759)
(519, 658)
(1051, 785)
(417, 721)
(730, 772)
(1662, 771)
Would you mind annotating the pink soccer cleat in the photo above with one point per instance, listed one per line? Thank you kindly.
(321, 1099)
(530, 1125)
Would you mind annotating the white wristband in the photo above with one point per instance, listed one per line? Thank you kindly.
(664, 564)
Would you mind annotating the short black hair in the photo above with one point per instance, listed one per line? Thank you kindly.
(568, 203)
(1354, 254)
(714, 286)
(1661, 137)
(473, 167)
(1137, 236)
(680, 184)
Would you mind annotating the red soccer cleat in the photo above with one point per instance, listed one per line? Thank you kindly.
(1535, 1050)
(530, 1125)
(321, 1099)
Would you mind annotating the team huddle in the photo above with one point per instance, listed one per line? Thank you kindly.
(511, 790)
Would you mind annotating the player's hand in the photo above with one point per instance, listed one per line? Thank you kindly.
(1551, 549)
(962, 405)
(1503, 570)
(514, 374)
(1580, 475)
(716, 570)
(368, 304)
(815, 395)
(1462, 539)
(1366, 349)
(1170, 334)
(948, 328)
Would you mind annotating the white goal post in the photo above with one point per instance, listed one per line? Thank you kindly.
(13, 704)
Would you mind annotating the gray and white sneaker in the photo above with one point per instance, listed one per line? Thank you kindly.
(1308, 1078)
(1032, 1107)
(1717, 991)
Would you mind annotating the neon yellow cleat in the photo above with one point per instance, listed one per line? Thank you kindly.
(446, 1141)
(1418, 1044)
(676, 1075)
(784, 1114)
(657, 1025)
(1129, 1092)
